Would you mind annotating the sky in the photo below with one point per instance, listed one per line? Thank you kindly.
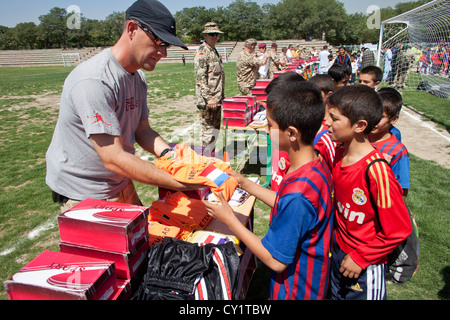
(16, 11)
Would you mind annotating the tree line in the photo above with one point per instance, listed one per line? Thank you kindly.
(287, 19)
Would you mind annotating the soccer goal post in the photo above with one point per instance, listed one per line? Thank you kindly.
(71, 58)
(414, 49)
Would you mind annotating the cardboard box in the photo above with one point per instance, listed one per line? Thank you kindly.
(123, 291)
(236, 122)
(235, 104)
(262, 83)
(126, 264)
(104, 225)
(62, 276)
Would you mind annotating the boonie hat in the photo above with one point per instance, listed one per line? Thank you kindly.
(158, 18)
(250, 41)
(211, 27)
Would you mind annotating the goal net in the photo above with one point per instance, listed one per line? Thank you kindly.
(415, 49)
(70, 59)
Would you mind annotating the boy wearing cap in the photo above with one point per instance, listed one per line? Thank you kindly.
(209, 84)
(104, 112)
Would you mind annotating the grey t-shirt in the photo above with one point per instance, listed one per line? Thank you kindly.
(99, 97)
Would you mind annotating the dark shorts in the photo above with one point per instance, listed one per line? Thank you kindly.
(370, 285)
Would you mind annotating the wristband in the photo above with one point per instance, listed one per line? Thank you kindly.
(164, 152)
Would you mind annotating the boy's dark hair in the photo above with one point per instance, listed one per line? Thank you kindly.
(377, 74)
(282, 79)
(358, 102)
(392, 101)
(338, 71)
(324, 82)
(298, 104)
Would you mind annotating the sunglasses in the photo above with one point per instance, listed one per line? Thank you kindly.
(213, 34)
(158, 41)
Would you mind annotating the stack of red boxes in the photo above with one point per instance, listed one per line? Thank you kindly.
(237, 112)
(259, 90)
(107, 230)
(103, 244)
(60, 276)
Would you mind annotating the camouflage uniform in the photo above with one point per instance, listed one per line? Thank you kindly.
(247, 70)
(273, 66)
(210, 84)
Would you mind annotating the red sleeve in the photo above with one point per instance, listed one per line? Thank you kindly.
(394, 224)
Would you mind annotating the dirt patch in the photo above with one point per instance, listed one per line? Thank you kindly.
(423, 138)
(43, 101)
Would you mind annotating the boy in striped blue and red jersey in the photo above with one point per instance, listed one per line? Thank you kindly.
(387, 143)
(297, 245)
(364, 234)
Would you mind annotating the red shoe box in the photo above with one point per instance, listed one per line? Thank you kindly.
(277, 73)
(260, 93)
(123, 291)
(62, 276)
(237, 111)
(236, 122)
(126, 264)
(241, 104)
(104, 225)
(251, 101)
(262, 83)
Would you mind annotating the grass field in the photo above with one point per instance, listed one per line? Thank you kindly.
(29, 100)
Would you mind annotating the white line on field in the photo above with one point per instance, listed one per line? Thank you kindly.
(425, 125)
(30, 236)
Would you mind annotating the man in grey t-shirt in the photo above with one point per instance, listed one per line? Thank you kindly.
(104, 112)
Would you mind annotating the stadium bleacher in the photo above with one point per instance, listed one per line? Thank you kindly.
(227, 49)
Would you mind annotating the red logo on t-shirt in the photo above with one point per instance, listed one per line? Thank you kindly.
(98, 118)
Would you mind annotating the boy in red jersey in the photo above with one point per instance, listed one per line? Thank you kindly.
(297, 245)
(364, 235)
(322, 142)
(386, 142)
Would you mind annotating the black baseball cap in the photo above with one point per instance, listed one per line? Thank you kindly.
(158, 18)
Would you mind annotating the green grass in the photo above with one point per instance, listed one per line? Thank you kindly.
(26, 127)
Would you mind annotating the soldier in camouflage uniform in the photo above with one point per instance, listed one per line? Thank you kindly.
(274, 61)
(247, 66)
(210, 85)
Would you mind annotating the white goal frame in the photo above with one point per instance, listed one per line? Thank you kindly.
(424, 26)
(68, 62)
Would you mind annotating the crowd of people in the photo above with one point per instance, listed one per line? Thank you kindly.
(324, 231)
(402, 59)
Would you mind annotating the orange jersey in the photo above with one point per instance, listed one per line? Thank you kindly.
(178, 210)
(189, 167)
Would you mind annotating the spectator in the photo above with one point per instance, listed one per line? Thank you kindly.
(323, 60)
(368, 58)
(339, 74)
(344, 59)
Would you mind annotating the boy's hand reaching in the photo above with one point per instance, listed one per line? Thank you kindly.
(223, 211)
(349, 268)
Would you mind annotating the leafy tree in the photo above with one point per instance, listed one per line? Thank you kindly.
(53, 28)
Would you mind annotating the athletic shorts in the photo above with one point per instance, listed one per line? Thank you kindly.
(127, 195)
(370, 285)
